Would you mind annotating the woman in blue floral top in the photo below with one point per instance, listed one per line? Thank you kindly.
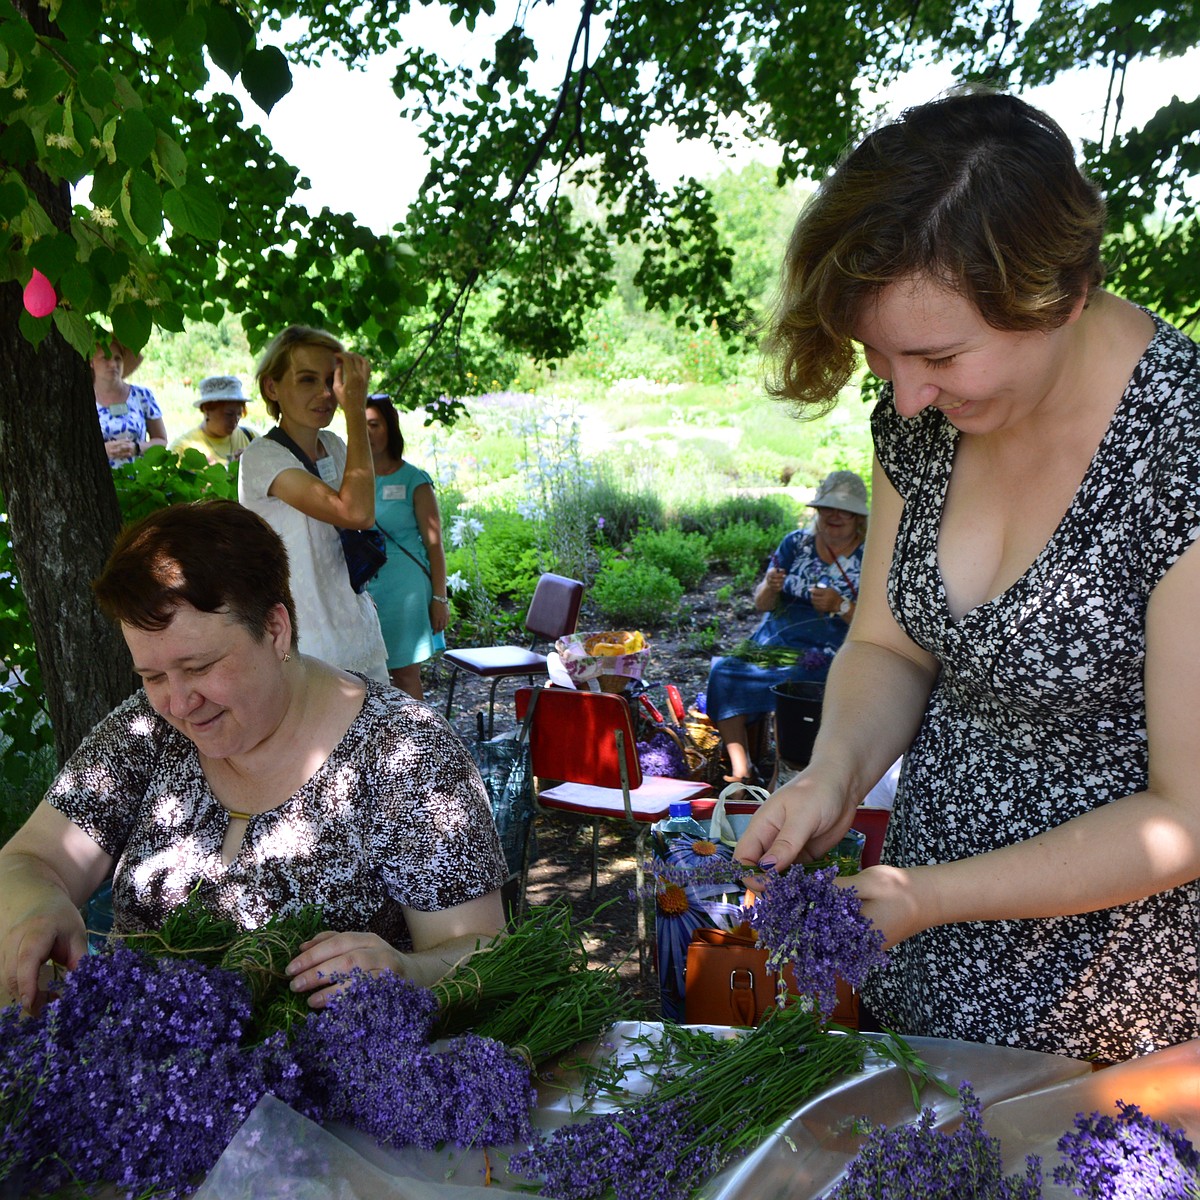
(130, 418)
(807, 598)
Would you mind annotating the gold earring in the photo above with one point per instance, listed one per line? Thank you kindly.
(287, 656)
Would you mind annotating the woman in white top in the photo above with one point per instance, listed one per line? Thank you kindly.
(304, 375)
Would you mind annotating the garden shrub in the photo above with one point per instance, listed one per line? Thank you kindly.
(25, 777)
(509, 563)
(160, 477)
(623, 512)
(25, 732)
(744, 547)
(771, 512)
(153, 481)
(682, 555)
(633, 594)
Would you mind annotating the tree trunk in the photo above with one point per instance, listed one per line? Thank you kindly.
(62, 509)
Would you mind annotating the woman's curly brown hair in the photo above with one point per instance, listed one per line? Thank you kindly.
(977, 190)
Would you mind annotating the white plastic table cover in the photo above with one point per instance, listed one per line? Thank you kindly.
(1029, 1100)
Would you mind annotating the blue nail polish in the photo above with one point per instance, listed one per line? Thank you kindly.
(767, 862)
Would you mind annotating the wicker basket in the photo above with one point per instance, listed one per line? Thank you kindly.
(705, 742)
(616, 684)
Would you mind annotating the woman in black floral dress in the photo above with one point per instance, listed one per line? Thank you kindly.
(261, 778)
(1027, 628)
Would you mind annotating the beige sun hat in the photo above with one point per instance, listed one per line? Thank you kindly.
(220, 387)
(844, 490)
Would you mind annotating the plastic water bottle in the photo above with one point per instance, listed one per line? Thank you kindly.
(681, 823)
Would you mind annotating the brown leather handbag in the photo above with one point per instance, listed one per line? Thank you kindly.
(726, 981)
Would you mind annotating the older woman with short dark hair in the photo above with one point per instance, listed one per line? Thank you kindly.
(254, 775)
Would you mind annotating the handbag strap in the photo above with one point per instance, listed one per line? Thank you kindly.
(276, 434)
(404, 551)
(837, 562)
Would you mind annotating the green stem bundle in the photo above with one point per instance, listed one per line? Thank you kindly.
(260, 956)
(532, 989)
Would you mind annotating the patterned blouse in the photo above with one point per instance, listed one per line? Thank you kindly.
(397, 815)
(140, 407)
(1039, 715)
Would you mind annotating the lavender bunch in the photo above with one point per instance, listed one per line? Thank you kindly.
(366, 1060)
(922, 1163)
(644, 1154)
(816, 930)
(133, 1076)
(1128, 1157)
(696, 1119)
(660, 754)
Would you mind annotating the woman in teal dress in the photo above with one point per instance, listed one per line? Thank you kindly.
(410, 590)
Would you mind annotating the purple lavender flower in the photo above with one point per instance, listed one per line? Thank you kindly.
(643, 1153)
(366, 1061)
(700, 873)
(660, 755)
(817, 929)
(919, 1162)
(816, 660)
(132, 1076)
(351, 1047)
(1128, 1157)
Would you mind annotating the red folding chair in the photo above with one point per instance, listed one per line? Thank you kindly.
(553, 613)
(584, 741)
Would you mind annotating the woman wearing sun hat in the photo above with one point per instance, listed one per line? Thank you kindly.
(219, 436)
(807, 598)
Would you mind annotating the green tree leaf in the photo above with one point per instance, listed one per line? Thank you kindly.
(134, 139)
(193, 210)
(171, 160)
(77, 19)
(267, 76)
(13, 198)
(131, 324)
(53, 255)
(141, 204)
(228, 37)
(34, 329)
(160, 18)
(97, 87)
(77, 330)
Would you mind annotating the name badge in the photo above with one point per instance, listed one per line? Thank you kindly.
(327, 469)
(117, 410)
(395, 491)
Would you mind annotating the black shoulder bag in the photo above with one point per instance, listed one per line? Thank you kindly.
(364, 549)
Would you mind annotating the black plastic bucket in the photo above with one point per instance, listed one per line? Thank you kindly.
(797, 719)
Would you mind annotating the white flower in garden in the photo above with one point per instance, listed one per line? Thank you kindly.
(455, 582)
(464, 529)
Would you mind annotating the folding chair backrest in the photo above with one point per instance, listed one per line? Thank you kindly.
(554, 609)
(572, 737)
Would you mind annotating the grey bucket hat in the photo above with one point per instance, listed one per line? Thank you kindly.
(220, 387)
(844, 490)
